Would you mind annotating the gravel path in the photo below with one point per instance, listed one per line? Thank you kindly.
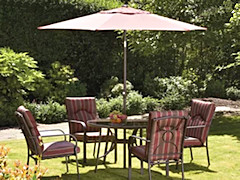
(16, 133)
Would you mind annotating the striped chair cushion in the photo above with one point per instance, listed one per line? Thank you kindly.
(190, 141)
(167, 138)
(58, 149)
(140, 152)
(92, 136)
(201, 114)
(33, 136)
(82, 109)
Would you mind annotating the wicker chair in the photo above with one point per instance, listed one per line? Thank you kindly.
(164, 142)
(198, 125)
(36, 147)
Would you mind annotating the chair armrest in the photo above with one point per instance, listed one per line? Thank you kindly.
(58, 135)
(137, 137)
(49, 133)
(83, 124)
(195, 127)
(132, 140)
(51, 130)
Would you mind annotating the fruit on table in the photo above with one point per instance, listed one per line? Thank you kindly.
(117, 117)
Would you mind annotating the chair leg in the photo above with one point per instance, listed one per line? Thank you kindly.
(182, 168)
(66, 158)
(129, 164)
(28, 157)
(167, 168)
(191, 153)
(36, 161)
(149, 171)
(77, 166)
(141, 162)
(94, 149)
(84, 153)
(207, 153)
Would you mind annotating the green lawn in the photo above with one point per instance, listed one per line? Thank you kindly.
(224, 148)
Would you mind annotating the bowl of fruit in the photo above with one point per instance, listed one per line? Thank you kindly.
(117, 117)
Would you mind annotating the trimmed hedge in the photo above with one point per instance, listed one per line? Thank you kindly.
(47, 113)
(19, 20)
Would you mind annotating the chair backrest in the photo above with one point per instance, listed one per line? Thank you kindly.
(81, 109)
(202, 113)
(28, 126)
(159, 114)
(167, 136)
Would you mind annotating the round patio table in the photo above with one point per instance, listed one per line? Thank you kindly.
(133, 124)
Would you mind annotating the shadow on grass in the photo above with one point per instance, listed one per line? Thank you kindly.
(191, 167)
(120, 173)
(112, 174)
(90, 162)
(226, 125)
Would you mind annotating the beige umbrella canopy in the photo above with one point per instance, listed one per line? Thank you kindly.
(124, 18)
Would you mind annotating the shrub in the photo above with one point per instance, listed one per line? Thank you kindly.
(50, 112)
(135, 104)
(173, 102)
(19, 171)
(175, 84)
(116, 104)
(117, 90)
(151, 104)
(103, 108)
(18, 73)
(59, 82)
(233, 93)
(215, 88)
(76, 89)
(107, 86)
(174, 92)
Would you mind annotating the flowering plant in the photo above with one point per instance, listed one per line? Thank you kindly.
(20, 171)
(117, 117)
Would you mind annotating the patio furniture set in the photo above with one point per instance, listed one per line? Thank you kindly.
(167, 134)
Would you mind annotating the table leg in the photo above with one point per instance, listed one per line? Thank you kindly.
(116, 139)
(124, 148)
(98, 151)
(141, 162)
(105, 152)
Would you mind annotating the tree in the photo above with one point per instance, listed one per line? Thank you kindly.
(164, 54)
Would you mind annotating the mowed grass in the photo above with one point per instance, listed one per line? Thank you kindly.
(224, 148)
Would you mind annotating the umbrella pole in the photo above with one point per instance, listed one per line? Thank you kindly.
(125, 72)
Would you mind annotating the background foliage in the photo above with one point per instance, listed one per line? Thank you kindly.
(84, 63)
(18, 73)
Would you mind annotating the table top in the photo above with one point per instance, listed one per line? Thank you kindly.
(129, 124)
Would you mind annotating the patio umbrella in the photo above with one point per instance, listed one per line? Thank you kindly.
(124, 18)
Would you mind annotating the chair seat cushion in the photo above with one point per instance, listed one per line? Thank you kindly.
(58, 149)
(192, 142)
(93, 136)
(140, 152)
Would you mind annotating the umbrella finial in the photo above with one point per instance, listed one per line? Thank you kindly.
(125, 5)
